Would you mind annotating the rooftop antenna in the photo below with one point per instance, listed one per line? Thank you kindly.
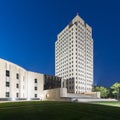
(77, 13)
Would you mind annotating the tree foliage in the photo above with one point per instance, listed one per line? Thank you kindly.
(116, 89)
(113, 91)
(103, 91)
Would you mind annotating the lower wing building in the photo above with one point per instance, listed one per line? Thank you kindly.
(16, 83)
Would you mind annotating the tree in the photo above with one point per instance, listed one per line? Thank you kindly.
(116, 89)
(103, 91)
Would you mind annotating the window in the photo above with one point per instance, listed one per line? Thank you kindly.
(35, 80)
(7, 94)
(7, 73)
(35, 95)
(17, 95)
(35, 88)
(7, 84)
(17, 85)
(17, 76)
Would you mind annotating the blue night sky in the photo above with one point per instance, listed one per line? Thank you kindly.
(29, 28)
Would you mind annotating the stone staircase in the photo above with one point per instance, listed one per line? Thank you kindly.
(85, 98)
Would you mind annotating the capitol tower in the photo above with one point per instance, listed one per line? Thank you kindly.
(74, 56)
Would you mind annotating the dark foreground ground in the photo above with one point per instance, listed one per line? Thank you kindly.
(57, 111)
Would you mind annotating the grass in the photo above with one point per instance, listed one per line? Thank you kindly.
(57, 111)
(117, 104)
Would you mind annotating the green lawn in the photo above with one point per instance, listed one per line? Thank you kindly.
(117, 104)
(57, 111)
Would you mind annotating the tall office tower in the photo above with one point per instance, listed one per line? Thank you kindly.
(74, 56)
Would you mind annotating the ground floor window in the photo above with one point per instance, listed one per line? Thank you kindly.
(17, 95)
(7, 94)
(35, 95)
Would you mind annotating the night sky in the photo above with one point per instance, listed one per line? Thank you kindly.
(29, 28)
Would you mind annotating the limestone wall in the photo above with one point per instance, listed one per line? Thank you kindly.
(54, 94)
